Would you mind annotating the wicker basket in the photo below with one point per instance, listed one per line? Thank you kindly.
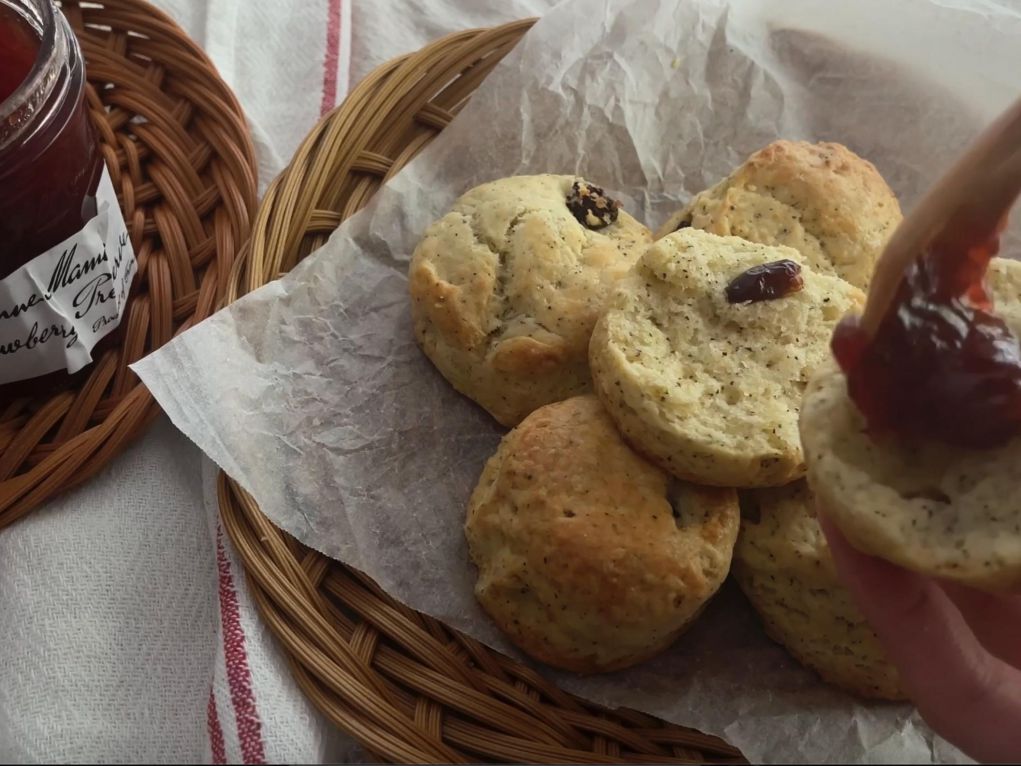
(182, 162)
(404, 685)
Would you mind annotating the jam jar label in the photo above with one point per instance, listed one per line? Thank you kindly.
(58, 306)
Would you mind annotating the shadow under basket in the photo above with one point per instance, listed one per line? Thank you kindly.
(405, 686)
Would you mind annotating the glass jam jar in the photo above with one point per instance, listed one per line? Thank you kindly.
(62, 269)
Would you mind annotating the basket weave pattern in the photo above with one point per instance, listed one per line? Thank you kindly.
(178, 150)
(404, 685)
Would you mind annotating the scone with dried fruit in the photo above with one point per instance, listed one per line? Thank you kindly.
(506, 287)
(704, 352)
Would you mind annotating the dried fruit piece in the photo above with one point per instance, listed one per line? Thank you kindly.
(766, 282)
(590, 205)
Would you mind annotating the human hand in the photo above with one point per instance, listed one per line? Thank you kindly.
(958, 650)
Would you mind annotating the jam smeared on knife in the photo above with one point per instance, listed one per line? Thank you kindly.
(766, 282)
(940, 366)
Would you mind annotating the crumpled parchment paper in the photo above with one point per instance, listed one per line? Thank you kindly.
(312, 394)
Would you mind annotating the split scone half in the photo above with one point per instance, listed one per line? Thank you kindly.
(708, 388)
(944, 511)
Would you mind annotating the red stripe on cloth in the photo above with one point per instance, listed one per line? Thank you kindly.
(332, 61)
(239, 677)
(215, 732)
(345, 42)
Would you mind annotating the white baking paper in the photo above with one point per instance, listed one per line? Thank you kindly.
(312, 393)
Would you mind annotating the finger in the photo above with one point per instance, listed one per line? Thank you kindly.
(967, 695)
(994, 618)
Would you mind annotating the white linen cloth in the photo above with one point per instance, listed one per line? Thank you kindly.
(127, 632)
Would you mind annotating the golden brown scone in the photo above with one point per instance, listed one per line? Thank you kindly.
(784, 566)
(583, 561)
(823, 200)
(505, 288)
(946, 512)
(708, 389)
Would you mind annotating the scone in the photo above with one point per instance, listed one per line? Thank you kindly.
(710, 389)
(943, 511)
(505, 288)
(784, 566)
(589, 557)
(821, 199)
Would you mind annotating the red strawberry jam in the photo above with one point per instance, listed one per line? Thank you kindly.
(50, 160)
(50, 163)
(19, 46)
(941, 366)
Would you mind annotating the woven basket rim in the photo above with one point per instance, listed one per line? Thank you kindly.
(185, 176)
(405, 686)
